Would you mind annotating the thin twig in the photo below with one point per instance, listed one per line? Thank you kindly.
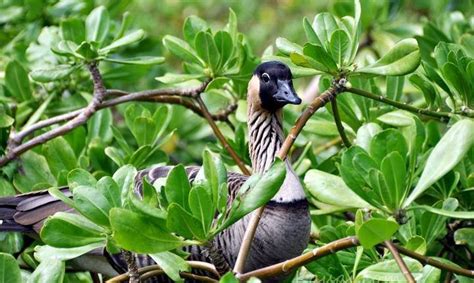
(340, 127)
(433, 262)
(144, 270)
(317, 103)
(80, 119)
(221, 137)
(287, 266)
(170, 96)
(401, 264)
(442, 116)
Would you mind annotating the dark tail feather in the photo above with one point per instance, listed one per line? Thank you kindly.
(27, 212)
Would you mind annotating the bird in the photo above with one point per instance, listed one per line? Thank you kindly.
(284, 228)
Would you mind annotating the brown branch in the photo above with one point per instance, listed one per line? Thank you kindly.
(221, 137)
(131, 266)
(337, 87)
(340, 127)
(430, 261)
(171, 96)
(288, 266)
(81, 118)
(151, 268)
(401, 264)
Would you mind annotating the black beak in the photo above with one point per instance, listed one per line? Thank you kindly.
(286, 94)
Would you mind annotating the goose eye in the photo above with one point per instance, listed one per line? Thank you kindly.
(265, 77)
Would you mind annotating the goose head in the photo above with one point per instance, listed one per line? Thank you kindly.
(271, 87)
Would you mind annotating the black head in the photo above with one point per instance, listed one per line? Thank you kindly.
(276, 85)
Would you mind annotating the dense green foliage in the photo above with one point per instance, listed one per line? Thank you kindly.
(406, 105)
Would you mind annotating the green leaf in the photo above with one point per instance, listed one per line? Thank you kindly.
(192, 26)
(43, 253)
(365, 134)
(225, 46)
(49, 271)
(397, 118)
(402, 59)
(93, 204)
(141, 233)
(99, 126)
(426, 87)
(339, 47)
(324, 25)
(376, 231)
(5, 120)
(60, 155)
(202, 207)
(80, 177)
(310, 33)
(445, 212)
(53, 73)
(255, 192)
(387, 141)
(206, 49)
(171, 264)
(169, 78)
(73, 29)
(97, 24)
(416, 244)
(177, 186)
(124, 40)
(34, 173)
(183, 223)
(86, 51)
(16, 81)
(181, 49)
(287, 47)
(388, 271)
(321, 57)
(328, 188)
(141, 60)
(465, 236)
(9, 269)
(125, 179)
(451, 149)
(66, 230)
(215, 173)
(394, 170)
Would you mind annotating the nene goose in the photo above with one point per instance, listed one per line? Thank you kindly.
(284, 228)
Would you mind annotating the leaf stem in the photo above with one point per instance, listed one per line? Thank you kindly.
(340, 127)
(442, 116)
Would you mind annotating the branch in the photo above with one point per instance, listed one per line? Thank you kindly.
(131, 266)
(340, 127)
(15, 148)
(442, 116)
(81, 118)
(430, 261)
(221, 137)
(401, 264)
(337, 87)
(154, 270)
(287, 266)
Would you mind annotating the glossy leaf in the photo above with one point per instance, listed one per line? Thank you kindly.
(366, 133)
(93, 204)
(171, 264)
(97, 24)
(177, 186)
(287, 47)
(49, 271)
(80, 177)
(60, 155)
(339, 47)
(328, 188)
(35, 173)
(184, 223)
(206, 49)
(16, 81)
(181, 49)
(73, 29)
(324, 25)
(446, 154)
(192, 26)
(142, 60)
(125, 179)
(375, 231)
(123, 41)
(65, 230)
(202, 207)
(388, 270)
(53, 73)
(140, 233)
(393, 168)
(465, 236)
(9, 269)
(402, 59)
(51, 253)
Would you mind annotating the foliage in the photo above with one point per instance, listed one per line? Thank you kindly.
(405, 102)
